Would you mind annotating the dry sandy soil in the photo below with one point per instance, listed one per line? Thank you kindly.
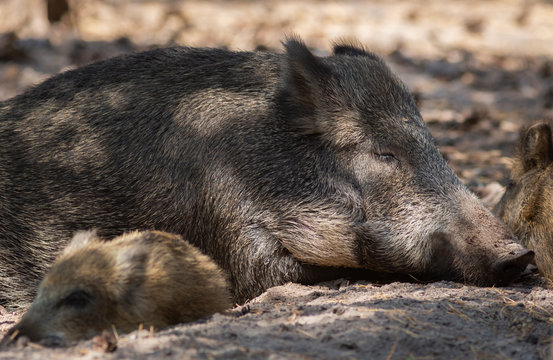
(479, 69)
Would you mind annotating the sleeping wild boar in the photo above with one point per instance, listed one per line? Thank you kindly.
(280, 166)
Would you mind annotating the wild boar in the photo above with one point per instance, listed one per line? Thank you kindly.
(280, 166)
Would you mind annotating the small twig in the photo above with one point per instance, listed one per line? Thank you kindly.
(459, 313)
(401, 321)
(13, 336)
(35, 345)
(115, 332)
(408, 332)
(305, 333)
(295, 313)
(542, 309)
(392, 351)
(381, 310)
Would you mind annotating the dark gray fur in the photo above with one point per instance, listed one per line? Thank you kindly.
(282, 167)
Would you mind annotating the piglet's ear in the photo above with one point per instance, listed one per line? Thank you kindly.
(80, 239)
(535, 150)
(131, 262)
(536, 147)
(305, 78)
(131, 257)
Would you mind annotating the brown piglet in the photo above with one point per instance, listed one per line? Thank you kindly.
(151, 278)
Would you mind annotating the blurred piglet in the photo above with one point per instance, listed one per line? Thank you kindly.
(150, 278)
(527, 205)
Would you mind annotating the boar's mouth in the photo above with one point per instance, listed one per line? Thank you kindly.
(449, 260)
(509, 269)
(501, 273)
(474, 267)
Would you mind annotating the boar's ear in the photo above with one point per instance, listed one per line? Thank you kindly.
(305, 79)
(345, 49)
(80, 239)
(535, 148)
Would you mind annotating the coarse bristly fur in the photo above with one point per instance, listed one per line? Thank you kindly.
(527, 205)
(280, 166)
(150, 278)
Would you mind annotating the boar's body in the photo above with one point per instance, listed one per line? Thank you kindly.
(282, 167)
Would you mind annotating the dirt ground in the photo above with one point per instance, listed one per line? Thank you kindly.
(479, 69)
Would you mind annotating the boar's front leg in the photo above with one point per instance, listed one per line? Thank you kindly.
(259, 262)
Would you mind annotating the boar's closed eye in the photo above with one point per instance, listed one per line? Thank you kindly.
(386, 157)
(77, 299)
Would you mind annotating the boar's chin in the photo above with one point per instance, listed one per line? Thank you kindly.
(474, 267)
(446, 256)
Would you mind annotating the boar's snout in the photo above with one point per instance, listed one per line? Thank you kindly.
(508, 269)
(482, 255)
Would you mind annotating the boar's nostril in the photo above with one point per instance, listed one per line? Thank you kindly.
(509, 269)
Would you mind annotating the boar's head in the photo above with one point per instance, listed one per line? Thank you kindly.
(408, 212)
